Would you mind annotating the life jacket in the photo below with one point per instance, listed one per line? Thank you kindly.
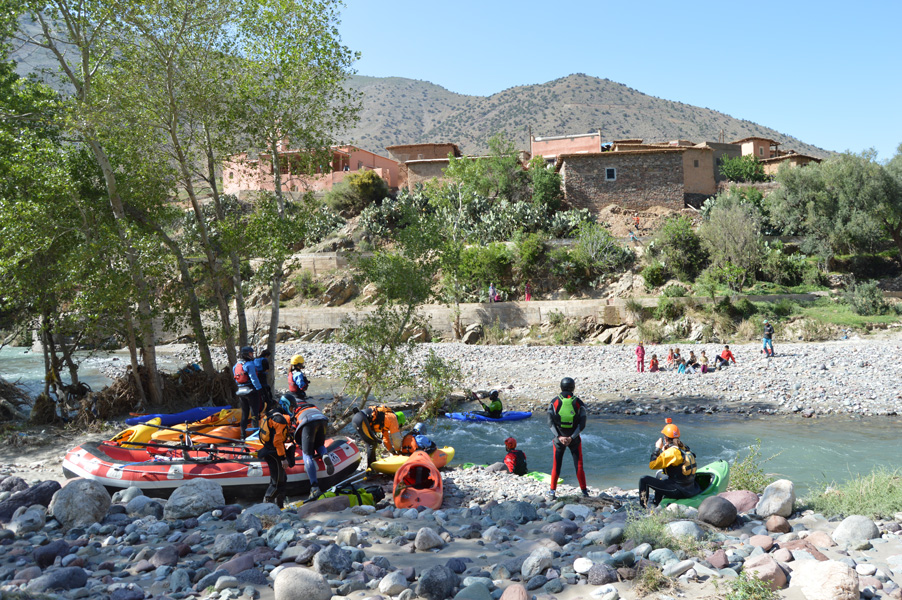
(377, 418)
(241, 376)
(409, 444)
(684, 473)
(274, 432)
(516, 462)
(567, 409)
(306, 413)
(293, 386)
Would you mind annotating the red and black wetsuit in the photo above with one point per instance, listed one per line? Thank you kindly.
(567, 417)
(515, 460)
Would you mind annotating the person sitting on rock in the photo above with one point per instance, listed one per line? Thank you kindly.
(494, 409)
(670, 360)
(724, 359)
(703, 362)
(681, 365)
(515, 460)
(416, 439)
(678, 463)
(653, 364)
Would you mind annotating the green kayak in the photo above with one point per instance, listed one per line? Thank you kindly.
(712, 479)
(537, 475)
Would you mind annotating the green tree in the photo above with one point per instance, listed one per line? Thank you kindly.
(357, 191)
(497, 175)
(742, 168)
(547, 188)
(680, 248)
(731, 235)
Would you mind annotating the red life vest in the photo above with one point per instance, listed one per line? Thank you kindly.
(241, 376)
(292, 386)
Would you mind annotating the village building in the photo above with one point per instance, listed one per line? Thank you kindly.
(551, 147)
(240, 173)
(422, 162)
(759, 147)
(772, 165)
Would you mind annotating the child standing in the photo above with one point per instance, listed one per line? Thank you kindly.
(640, 358)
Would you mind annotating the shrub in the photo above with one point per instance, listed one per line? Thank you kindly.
(530, 254)
(747, 330)
(650, 332)
(813, 330)
(782, 268)
(598, 252)
(357, 191)
(783, 307)
(725, 307)
(680, 248)
(742, 168)
(866, 299)
(545, 182)
(747, 473)
(674, 291)
(437, 377)
(747, 587)
(651, 579)
(876, 495)
(635, 309)
(307, 286)
(654, 274)
(668, 310)
(496, 335)
(745, 308)
(483, 265)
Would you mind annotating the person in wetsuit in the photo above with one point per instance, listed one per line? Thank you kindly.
(678, 463)
(249, 387)
(416, 439)
(514, 460)
(378, 425)
(494, 409)
(277, 447)
(567, 417)
(310, 437)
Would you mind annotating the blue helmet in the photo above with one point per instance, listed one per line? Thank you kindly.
(419, 429)
(285, 405)
(423, 441)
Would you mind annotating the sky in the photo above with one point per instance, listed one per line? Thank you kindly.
(828, 73)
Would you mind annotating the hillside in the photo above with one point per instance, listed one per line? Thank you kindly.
(398, 110)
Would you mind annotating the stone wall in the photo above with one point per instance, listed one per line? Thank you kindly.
(423, 171)
(643, 180)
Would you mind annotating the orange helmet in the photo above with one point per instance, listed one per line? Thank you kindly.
(670, 430)
(510, 443)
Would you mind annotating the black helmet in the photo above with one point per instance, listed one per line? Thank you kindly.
(246, 353)
(494, 395)
(567, 384)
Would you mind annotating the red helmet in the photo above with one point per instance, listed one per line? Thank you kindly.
(510, 443)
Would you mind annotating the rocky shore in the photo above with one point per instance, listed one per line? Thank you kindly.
(495, 537)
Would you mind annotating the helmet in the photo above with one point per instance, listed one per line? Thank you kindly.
(765, 321)
(419, 429)
(494, 395)
(246, 353)
(567, 384)
(285, 405)
(290, 399)
(297, 360)
(670, 430)
(401, 418)
(510, 443)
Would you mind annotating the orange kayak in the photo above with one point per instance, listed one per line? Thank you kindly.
(418, 483)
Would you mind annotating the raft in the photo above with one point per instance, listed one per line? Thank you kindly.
(712, 479)
(418, 483)
(157, 471)
(391, 463)
(187, 416)
(508, 415)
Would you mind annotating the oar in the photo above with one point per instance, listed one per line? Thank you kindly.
(183, 447)
(356, 477)
(185, 431)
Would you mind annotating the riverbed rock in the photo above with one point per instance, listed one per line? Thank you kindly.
(194, 498)
(81, 503)
(332, 560)
(393, 583)
(64, 578)
(743, 500)
(437, 583)
(127, 495)
(685, 529)
(602, 574)
(854, 530)
(27, 520)
(427, 539)
(828, 580)
(765, 568)
(538, 560)
(40, 493)
(765, 542)
(515, 591)
(299, 583)
(778, 499)
(45, 555)
(717, 511)
(517, 511)
(777, 524)
(228, 544)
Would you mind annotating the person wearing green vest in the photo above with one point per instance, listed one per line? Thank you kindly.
(567, 416)
(494, 409)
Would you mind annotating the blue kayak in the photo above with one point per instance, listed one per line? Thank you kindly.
(188, 416)
(508, 415)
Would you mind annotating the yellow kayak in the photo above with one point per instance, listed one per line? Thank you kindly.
(225, 418)
(390, 464)
(140, 434)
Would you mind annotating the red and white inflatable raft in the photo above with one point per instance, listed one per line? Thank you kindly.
(159, 471)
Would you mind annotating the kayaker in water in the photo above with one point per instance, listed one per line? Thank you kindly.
(567, 417)
(297, 381)
(310, 436)
(416, 439)
(494, 409)
(249, 386)
(678, 464)
(379, 422)
(277, 447)
(514, 460)
(262, 365)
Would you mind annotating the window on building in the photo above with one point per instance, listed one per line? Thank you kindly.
(610, 174)
(231, 174)
(760, 151)
(359, 165)
(695, 163)
(420, 157)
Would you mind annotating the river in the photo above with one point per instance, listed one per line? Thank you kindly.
(810, 452)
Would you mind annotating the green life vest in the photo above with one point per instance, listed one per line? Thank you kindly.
(566, 410)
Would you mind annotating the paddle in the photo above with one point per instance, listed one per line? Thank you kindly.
(210, 450)
(187, 432)
(355, 478)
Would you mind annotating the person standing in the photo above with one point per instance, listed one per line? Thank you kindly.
(262, 365)
(249, 386)
(768, 339)
(277, 448)
(492, 293)
(310, 437)
(678, 464)
(297, 381)
(567, 417)
(640, 358)
(528, 291)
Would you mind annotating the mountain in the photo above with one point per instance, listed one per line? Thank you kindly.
(399, 111)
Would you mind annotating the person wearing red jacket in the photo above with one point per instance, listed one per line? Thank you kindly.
(515, 460)
(640, 358)
(724, 359)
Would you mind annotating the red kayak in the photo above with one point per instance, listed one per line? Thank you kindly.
(158, 471)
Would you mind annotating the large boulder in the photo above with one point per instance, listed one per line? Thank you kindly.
(685, 529)
(743, 500)
(717, 511)
(855, 530)
(766, 569)
(828, 580)
(602, 574)
(80, 503)
(437, 583)
(427, 539)
(45, 555)
(40, 493)
(298, 583)
(194, 498)
(778, 499)
(537, 562)
(517, 511)
(66, 578)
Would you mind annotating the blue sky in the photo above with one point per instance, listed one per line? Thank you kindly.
(828, 73)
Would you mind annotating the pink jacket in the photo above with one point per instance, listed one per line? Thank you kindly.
(640, 352)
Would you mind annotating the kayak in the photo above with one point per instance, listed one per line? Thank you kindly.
(712, 479)
(223, 424)
(139, 434)
(418, 483)
(508, 415)
(157, 471)
(391, 463)
(187, 416)
(537, 475)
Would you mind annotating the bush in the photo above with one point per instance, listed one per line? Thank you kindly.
(530, 255)
(650, 332)
(866, 299)
(320, 223)
(813, 330)
(783, 307)
(635, 309)
(747, 473)
(668, 310)
(651, 579)
(725, 308)
(742, 168)
(680, 248)
(674, 291)
(745, 308)
(747, 330)
(484, 265)
(598, 252)
(547, 190)
(877, 495)
(747, 587)
(307, 286)
(654, 274)
(781, 268)
(357, 191)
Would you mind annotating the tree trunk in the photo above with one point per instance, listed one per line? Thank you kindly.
(133, 354)
(277, 268)
(895, 232)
